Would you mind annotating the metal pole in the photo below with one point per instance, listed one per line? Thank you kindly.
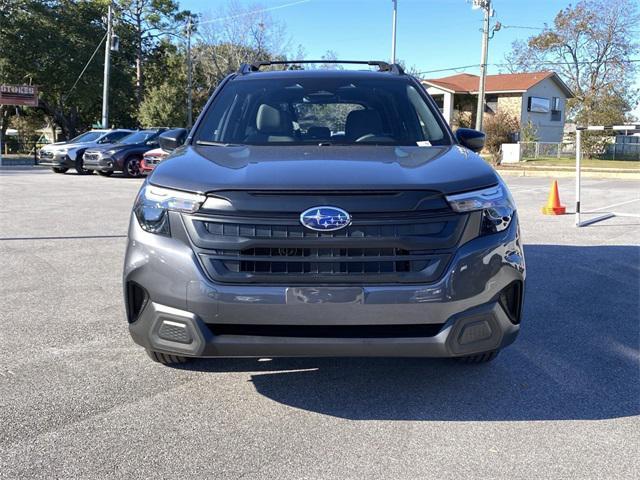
(189, 77)
(107, 68)
(393, 31)
(578, 165)
(483, 63)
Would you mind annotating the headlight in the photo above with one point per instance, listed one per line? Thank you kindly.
(153, 203)
(496, 204)
(109, 152)
(63, 151)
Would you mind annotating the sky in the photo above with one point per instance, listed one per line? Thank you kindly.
(431, 34)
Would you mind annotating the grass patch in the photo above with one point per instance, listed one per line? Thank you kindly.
(571, 162)
(586, 162)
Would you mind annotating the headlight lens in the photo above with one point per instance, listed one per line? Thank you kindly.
(109, 152)
(153, 203)
(63, 150)
(496, 204)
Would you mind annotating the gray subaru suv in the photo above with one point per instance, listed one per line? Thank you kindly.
(323, 213)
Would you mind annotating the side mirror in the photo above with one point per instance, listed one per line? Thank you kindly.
(172, 139)
(472, 139)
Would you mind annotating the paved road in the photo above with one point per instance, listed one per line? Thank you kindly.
(79, 400)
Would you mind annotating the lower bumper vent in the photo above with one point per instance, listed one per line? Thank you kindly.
(328, 331)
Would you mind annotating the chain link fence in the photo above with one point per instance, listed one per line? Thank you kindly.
(624, 148)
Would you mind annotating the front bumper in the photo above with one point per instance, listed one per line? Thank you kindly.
(60, 160)
(103, 164)
(183, 312)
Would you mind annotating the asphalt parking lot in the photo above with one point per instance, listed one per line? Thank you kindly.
(79, 400)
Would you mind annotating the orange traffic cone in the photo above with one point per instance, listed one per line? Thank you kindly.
(553, 206)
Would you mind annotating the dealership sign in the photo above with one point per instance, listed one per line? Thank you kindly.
(25, 95)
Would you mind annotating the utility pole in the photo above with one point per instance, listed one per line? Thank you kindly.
(189, 77)
(393, 31)
(486, 7)
(107, 68)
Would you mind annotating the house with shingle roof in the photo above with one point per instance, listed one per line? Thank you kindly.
(536, 97)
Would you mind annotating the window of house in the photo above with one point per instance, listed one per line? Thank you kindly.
(491, 103)
(556, 112)
(439, 99)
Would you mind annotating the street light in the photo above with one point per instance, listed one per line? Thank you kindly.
(393, 31)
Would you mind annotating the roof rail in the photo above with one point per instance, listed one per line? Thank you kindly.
(382, 66)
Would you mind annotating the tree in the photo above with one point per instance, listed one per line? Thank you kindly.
(35, 50)
(590, 45)
(165, 99)
(163, 106)
(149, 20)
(237, 34)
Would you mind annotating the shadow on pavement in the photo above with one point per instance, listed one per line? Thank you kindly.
(576, 357)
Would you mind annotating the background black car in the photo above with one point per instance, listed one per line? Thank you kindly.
(124, 156)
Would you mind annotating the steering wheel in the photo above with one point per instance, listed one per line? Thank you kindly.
(372, 137)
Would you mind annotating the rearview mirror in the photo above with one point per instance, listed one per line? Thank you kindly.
(172, 139)
(472, 139)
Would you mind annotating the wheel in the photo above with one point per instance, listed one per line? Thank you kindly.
(59, 169)
(131, 167)
(166, 358)
(105, 174)
(80, 166)
(483, 357)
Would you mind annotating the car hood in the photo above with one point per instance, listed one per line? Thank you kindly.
(447, 169)
(52, 147)
(117, 147)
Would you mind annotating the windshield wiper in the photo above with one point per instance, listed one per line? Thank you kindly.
(208, 143)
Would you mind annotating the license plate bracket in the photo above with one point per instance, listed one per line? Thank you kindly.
(321, 295)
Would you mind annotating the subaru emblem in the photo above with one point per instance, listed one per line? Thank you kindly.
(325, 219)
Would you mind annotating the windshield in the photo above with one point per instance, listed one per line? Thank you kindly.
(139, 137)
(87, 137)
(334, 111)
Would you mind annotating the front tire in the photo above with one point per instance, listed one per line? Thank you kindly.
(59, 169)
(166, 358)
(131, 167)
(483, 357)
(80, 167)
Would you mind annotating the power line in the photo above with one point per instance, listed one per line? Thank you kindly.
(262, 10)
(85, 68)
(523, 27)
(464, 67)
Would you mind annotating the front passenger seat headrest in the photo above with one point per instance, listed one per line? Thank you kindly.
(269, 119)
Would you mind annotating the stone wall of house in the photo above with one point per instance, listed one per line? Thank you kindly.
(510, 104)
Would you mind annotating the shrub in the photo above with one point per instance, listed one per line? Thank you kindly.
(499, 128)
(529, 133)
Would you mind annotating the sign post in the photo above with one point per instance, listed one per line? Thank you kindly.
(22, 95)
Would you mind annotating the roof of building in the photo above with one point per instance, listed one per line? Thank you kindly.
(507, 82)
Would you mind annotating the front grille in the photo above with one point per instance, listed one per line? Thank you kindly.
(152, 160)
(322, 261)
(91, 157)
(46, 155)
(402, 248)
(288, 231)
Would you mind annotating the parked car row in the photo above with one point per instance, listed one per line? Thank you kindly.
(132, 152)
